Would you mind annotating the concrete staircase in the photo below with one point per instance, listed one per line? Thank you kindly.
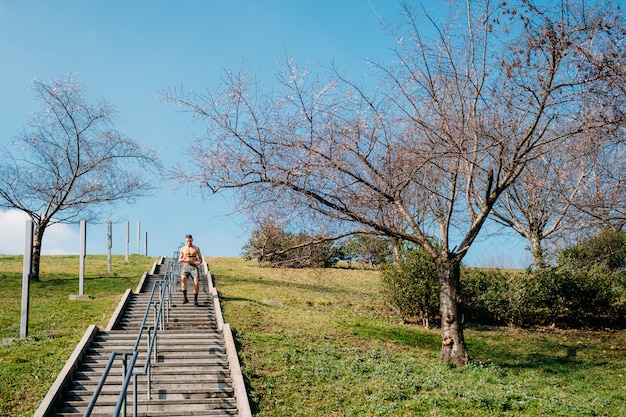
(191, 373)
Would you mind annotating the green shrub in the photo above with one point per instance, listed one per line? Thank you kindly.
(411, 286)
(607, 247)
(592, 276)
(563, 294)
(484, 293)
(582, 295)
(478, 286)
(494, 296)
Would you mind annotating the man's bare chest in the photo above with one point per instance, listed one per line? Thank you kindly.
(190, 252)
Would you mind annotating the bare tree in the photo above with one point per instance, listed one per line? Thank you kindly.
(425, 156)
(540, 204)
(567, 195)
(601, 205)
(71, 163)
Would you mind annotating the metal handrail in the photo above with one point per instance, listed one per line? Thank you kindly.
(147, 365)
(165, 292)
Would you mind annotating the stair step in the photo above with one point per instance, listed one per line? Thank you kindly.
(216, 413)
(179, 413)
(164, 368)
(180, 359)
(183, 374)
(183, 407)
(186, 378)
(165, 337)
(172, 391)
(162, 346)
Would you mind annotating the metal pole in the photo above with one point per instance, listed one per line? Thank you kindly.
(145, 244)
(125, 370)
(109, 244)
(135, 396)
(138, 237)
(26, 272)
(127, 240)
(81, 276)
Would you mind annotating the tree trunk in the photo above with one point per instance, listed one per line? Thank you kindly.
(535, 244)
(395, 245)
(453, 349)
(36, 261)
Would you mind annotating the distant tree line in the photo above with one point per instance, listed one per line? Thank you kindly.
(272, 245)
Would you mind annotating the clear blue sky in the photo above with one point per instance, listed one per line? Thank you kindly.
(125, 51)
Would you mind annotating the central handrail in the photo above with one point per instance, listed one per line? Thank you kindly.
(165, 295)
(166, 289)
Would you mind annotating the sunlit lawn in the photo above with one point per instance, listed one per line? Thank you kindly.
(319, 343)
(28, 367)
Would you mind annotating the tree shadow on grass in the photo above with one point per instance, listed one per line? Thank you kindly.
(401, 335)
(224, 299)
(549, 356)
(548, 363)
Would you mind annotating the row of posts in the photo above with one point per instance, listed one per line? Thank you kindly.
(110, 240)
(28, 258)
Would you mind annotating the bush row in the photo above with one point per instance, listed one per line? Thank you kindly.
(556, 295)
(566, 294)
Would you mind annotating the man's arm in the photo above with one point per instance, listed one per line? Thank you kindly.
(199, 255)
(181, 256)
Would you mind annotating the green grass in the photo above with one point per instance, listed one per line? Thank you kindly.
(29, 366)
(332, 350)
(320, 343)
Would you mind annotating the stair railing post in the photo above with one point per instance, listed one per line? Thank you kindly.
(161, 324)
(124, 371)
(154, 319)
(148, 340)
(162, 301)
(170, 291)
(135, 400)
(149, 382)
(148, 362)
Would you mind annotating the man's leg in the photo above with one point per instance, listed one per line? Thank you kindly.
(183, 284)
(196, 290)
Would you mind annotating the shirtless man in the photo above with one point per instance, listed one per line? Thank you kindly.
(190, 258)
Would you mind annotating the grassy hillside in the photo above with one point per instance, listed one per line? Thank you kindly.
(28, 367)
(318, 343)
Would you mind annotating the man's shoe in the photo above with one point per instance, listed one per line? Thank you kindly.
(185, 300)
(195, 303)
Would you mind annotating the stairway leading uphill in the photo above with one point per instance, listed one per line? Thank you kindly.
(191, 374)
